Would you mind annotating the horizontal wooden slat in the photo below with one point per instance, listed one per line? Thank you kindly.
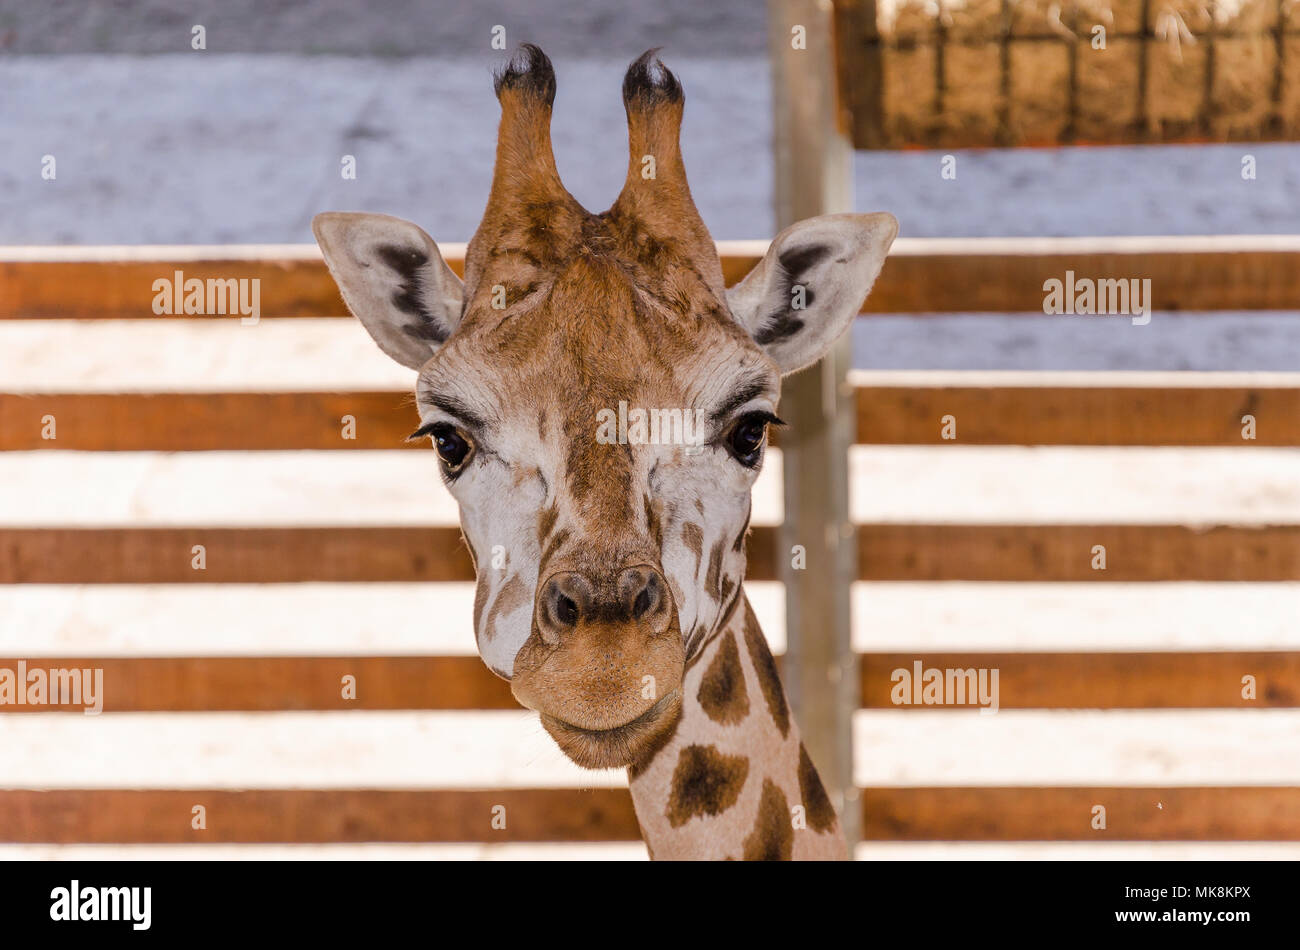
(128, 816)
(1006, 275)
(974, 552)
(253, 555)
(1078, 415)
(232, 555)
(887, 415)
(1166, 680)
(887, 552)
(924, 275)
(1238, 813)
(1031, 747)
(283, 683)
(117, 283)
(187, 422)
(315, 816)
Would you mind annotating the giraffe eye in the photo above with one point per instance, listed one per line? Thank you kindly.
(452, 445)
(746, 438)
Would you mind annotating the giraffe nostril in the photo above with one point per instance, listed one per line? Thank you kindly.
(641, 591)
(565, 600)
(566, 611)
(641, 605)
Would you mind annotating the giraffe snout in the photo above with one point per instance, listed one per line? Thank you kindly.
(604, 664)
(636, 596)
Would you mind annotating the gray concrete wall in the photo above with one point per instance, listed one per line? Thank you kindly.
(593, 29)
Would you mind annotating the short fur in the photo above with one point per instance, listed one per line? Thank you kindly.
(610, 574)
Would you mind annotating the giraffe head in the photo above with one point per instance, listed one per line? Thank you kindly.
(599, 401)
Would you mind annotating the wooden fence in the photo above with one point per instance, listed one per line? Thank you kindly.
(922, 276)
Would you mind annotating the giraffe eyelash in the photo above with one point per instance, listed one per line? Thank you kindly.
(423, 431)
(770, 418)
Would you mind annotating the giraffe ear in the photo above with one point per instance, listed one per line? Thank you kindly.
(394, 281)
(810, 285)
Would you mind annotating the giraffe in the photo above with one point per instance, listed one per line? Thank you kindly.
(618, 612)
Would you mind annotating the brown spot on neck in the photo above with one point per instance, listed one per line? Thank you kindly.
(722, 694)
(769, 681)
(713, 580)
(728, 586)
(739, 543)
(693, 644)
(772, 838)
(705, 783)
(817, 804)
(697, 646)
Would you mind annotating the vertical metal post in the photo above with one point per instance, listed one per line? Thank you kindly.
(814, 176)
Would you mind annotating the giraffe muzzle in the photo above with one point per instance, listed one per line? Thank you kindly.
(604, 663)
(623, 745)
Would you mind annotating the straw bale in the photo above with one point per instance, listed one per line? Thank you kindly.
(1175, 45)
(1119, 17)
(1031, 18)
(1290, 106)
(903, 20)
(967, 20)
(1107, 104)
(1241, 103)
(1245, 16)
(1034, 17)
(909, 94)
(1040, 92)
(972, 94)
(1196, 14)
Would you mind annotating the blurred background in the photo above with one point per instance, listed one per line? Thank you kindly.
(240, 143)
(158, 143)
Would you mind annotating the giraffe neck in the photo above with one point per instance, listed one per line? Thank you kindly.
(734, 780)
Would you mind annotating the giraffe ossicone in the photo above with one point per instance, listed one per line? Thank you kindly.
(618, 611)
